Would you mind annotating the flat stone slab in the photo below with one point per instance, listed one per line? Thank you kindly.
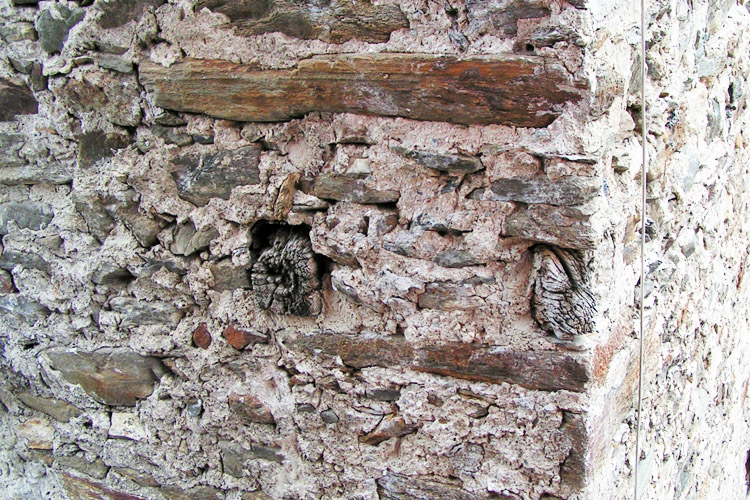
(525, 91)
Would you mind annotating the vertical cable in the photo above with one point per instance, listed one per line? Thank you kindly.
(643, 246)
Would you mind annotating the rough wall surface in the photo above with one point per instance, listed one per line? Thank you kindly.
(351, 249)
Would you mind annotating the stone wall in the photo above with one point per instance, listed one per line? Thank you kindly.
(370, 250)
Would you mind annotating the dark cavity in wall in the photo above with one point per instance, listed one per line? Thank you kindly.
(286, 273)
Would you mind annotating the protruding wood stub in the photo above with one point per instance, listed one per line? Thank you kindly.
(285, 275)
(562, 303)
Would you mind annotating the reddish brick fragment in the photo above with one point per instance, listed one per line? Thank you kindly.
(202, 337)
(239, 339)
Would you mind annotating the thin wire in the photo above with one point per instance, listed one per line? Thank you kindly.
(643, 246)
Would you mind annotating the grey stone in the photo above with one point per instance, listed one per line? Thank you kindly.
(561, 226)
(17, 32)
(171, 135)
(144, 228)
(99, 220)
(25, 2)
(116, 377)
(16, 99)
(139, 477)
(383, 394)
(442, 162)
(21, 65)
(397, 487)
(26, 215)
(197, 493)
(9, 259)
(116, 13)
(169, 119)
(28, 309)
(10, 145)
(38, 79)
(234, 456)
(111, 274)
(96, 145)
(227, 276)
(54, 23)
(138, 312)
(329, 417)
(456, 259)
(115, 63)
(572, 190)
(214, 175)
(187, 240)
(58, 409)
(48, 172)
(346, 188)
(96, 469)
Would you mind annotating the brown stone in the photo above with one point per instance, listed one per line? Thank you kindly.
(38, 433)
(538, 370)
(117, 377)
(116, 97)
(389, 427)
(202, 337)
(239, 339)
(96, 469)
(251, 408)
(15, 99)
(500, 17)
(96, 145)
(121, 12)
(334, 21)
(527, 91)
(346, 188)
(83, 489)
(55, 408)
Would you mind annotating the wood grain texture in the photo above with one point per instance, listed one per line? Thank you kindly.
(538, 370)
(525, 91)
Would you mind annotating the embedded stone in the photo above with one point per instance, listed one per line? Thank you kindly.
(10, 144)
(171, 135)
(456, 259)
(544, 370)
(96, 469)
(96, 145)
(571, 190)
(383, 394)
(135, 312)
(115, 63)
(500, 17)
(202, 337)
(116, 377)
(126, 425)
(115, 96)
(397, 487)
(116, 13)
(38, 433)
(234, 456)
(239, 339)
(30, 310)
(447, 296)
(391, 426)
(251, 409)
(526, 91)
(229, 277)
(54, 23)
(329, 417)
(109, 273)
(346, 188)
(334, 21)
(17, 32)
(188, 240)
(9, 259)
(442, 162)
(566, 227)
(6, 282)
(58, 409)
(139, 477)
(78, 487)
(15, 99)
(214, 175)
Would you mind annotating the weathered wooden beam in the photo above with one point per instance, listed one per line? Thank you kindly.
(525, 91)
(538, 370)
